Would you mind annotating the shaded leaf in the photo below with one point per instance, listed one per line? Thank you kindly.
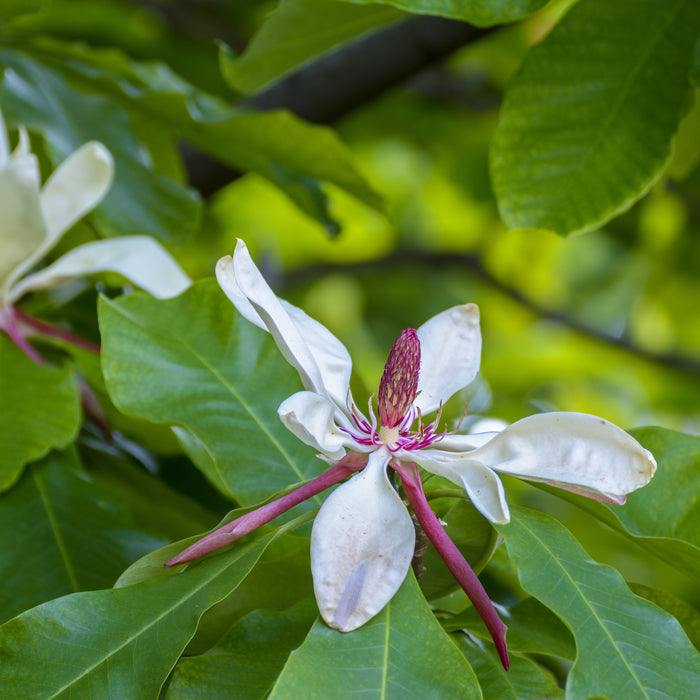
(247, 660)
(116, 643)
(140, 200)
(617, 633)
(77, 536)
(192, 361)
(383, 658)
(39, 410)
(524, 679)
(295, 33)
(588, 121)
(482, 13)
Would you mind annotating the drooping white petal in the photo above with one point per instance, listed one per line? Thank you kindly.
(310, 417)
(140, 259)
(320, 358)
(362, 544)
(450, 346)
(575, 450)
(482, 484)
(459, 442)
(75, 188)
(22, 228)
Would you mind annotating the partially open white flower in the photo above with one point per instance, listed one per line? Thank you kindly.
(362, 541)
(33, 219)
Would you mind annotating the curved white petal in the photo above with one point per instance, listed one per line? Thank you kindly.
(450, 347)
(459, 442)
(22, 228)
(140, 259)
(320, 358)
(575, 450)
(482, 484)
(310, 417)
(362, 544)
(75, 188)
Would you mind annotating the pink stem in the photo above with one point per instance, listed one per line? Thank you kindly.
(260, 516)
(456, 563)
(48, 329)
(15, 335)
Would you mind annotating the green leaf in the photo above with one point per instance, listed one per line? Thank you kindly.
(482, 13)
(524, 679)
(386, 657)
(39, 410)
(117, 643)
(246, 662)
(661, 517)
(588, 121)
(192, 361)
(627, 647)
(140, 200)
(532, 628)
(76, 536)
(295, 33)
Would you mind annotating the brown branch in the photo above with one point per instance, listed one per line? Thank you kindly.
(474, 264)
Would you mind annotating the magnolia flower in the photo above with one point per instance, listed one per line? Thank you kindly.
(362, 541)
(34, 218)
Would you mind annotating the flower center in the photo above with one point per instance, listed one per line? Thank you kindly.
(399, 384)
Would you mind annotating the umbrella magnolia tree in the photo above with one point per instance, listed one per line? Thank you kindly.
(203, 496)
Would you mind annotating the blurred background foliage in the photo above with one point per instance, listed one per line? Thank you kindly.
(606, 322)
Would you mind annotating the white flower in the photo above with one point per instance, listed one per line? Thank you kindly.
(33, 219)
(362, 541)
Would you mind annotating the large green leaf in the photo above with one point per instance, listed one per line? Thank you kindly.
(119, 643)
(588, 121)
(482, 13)
(523, 680)
(141, 200)
(661, 517)
(192, 361)
(627, 647)
(246, 662)
(295, 33)
(296, 156)
(401, 653)
(75, 536)
(39, 410)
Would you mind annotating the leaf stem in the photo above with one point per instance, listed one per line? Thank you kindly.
(456, 563)
(48, 329)
(8, 323)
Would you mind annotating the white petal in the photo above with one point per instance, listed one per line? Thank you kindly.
(450, 346)
(22, 228)
(310, 417)
(362, 544)
(458, 442)
(140, 259)
(579, 451)
(75, 188)
(320, 358)
(482, 484)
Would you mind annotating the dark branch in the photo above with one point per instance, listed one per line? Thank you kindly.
(474, 264)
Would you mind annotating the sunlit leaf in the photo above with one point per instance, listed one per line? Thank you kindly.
(385, 658)
(191, 361)
(115, 643)
(588, 121)
(296, 32)
(627, 647)
(77, 536)
(479, 12)
(39, 410)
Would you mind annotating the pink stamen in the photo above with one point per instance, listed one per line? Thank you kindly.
(225, 535)
(456, 563)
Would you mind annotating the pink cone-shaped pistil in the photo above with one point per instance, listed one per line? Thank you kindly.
(399, 383)
(456, 563)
